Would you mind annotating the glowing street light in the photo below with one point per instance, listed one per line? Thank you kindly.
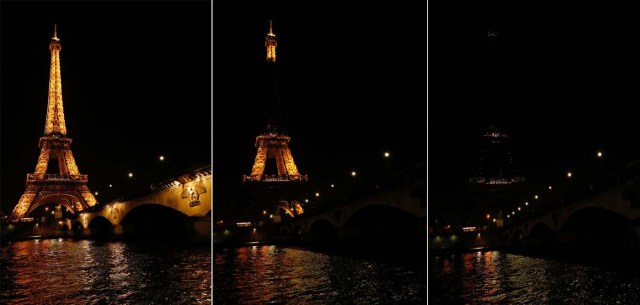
(96, 193)
(518, 208)
(494, 220)
(264, 212)
(306, 200)
(270, 215)
(549, 186)
(386, 154)
(353, 173)
(536, 196)
(332, 185)
(488, 216)
(130, 175)
(569, 175)
(599, 154)
(161, 158)
(110, 185)
(526, 203)
(317, 194)
(513, 212)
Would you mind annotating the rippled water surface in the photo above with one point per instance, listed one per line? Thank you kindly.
(281, 275)
(64, 271)
(501, 278)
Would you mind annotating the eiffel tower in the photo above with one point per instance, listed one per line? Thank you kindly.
(273, 144)
(68, 188)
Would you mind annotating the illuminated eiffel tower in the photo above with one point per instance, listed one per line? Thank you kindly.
(274, 145)
(67, 188)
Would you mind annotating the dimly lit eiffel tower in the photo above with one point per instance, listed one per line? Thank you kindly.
(68, 187)
(497, 183)
(275, 187)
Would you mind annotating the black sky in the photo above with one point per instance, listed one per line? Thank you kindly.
(352, 85)
(136, 84)
(558, 79)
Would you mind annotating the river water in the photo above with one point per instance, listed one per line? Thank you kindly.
(285, 275)
(500, 278)
(66, 271)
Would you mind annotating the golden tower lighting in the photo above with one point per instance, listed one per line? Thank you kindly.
(68, 187)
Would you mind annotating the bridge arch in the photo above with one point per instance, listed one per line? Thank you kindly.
(600, 227)
(152, 221)
(100, 227)
(541, 233)
(322, 229)
(374, 223)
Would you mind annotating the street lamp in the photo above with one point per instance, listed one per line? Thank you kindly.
(526, 203)
(549, 186)
(161, 158)
(130, 175)
(569, 175)
(332, 185)
(536, 197)
(353, 173)
(317, 194)
(386, 154)
(110, 185)
(599, 154)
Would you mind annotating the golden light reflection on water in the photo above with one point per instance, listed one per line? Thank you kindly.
(273, 275)
(494, 277)
(89, 272)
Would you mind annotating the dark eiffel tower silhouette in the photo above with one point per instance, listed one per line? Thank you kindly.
(497, 183)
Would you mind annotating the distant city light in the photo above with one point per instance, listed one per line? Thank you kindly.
(270, 215)
(264, 212)
(494, 220)
(161, 158)
(332, 185)
(353, 173)
(488, 215)
(386, 154)
(518, 208)
(536, 196)
(513, 212)
(130, 175)
(96, 193)
(317, 194)
(549, 186)
(110, 185)
(569, 174)
(599, 154)
(526, 203)
(306, 200)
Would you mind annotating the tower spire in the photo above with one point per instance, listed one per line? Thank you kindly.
(271, 43)
(55, 113)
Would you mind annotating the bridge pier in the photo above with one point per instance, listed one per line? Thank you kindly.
(200, 228)
(118, 231)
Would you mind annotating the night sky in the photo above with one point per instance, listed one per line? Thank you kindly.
(352, 86)
(135, 81)
(559, 80)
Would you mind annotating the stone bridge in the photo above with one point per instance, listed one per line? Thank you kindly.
(611, 215)
(180, 205)
(399, 210)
